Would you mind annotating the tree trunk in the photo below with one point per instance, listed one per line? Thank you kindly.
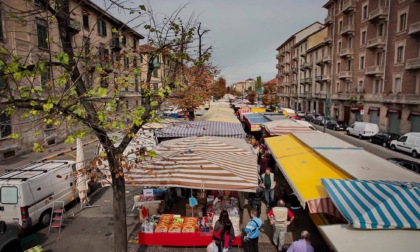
(191, 115)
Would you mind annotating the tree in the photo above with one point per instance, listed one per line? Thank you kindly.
(81, 91)
(269, 97)
(219, 88)
(251, 96)
(258, 84)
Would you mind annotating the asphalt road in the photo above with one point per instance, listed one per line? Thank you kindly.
(376, 149)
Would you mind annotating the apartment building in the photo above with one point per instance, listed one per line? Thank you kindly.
(99, 39)
(239, 87)
(250, 84)
(288, 67)
(375, 62)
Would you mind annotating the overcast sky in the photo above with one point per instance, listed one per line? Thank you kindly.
(246, 33)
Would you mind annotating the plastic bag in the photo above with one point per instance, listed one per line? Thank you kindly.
(212, 247)
(193, 201)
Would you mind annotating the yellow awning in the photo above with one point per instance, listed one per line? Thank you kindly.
(258, 110)
(303, 169)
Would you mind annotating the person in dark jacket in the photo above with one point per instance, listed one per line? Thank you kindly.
(222, 227)
(256, 199)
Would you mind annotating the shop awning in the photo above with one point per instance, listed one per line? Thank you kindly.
(376, 204)
(343, 238)
(202, 128)
(304, 169)
(162, 124)
(209, 163)
(284, 127)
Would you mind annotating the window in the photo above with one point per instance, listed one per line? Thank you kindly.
(1, 27)
(85, 21)
(400, 54)
(351, 19)
(350, 42)
(365, 13)
(9, 195)
(124, 41)
(86, 45)
(338, 67)
(141, 59)
(42, 33)
(101, 27)
(363, 38)
(155, 73)
(381, 30)
(46, 76)
(101, 52)
(362, 62)
(339, 47)
(126, 62)
(134, 43)
(340, 26)
(349, 64)
(134, 61)
(5, 127)
(155, 86)
(397, 85)
(402, 22)
(379, 58)
(377, 87)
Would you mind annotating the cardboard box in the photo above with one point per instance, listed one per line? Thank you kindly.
(148, 227)
(152, 208)
(196, 210)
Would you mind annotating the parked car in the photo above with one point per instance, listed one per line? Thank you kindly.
(10, 237)
(383, 138)
(362, 129)
(300, 114)
(296, 117)
(411, 165)
(409, 142)
(27, 194)
(336, 125)
(310, 117)
(318, 120)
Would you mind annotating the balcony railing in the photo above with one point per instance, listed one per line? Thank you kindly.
(374, 70)
(278, 75)
(307, 65)
(345, 74)
(318, 78)
(277, 65)
(348, 29)
(321, 94)
(307, 95)
(350, 5)
(402, 98)
(295, 57)
(326, 77)
(348, 52)
(376, 42)
(319, 61)
(302, 80)
(413, 64)
(347, 96)
(327, 58)
(328, 39)
(294, 82)
(294, 69)
(378, 14)
(373, 97)
(414, 29)
(329, 20)
(308, 81)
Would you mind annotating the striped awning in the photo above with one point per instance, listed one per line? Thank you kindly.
(210, 163)
(202, 128)
(376, 204)
(284, 127)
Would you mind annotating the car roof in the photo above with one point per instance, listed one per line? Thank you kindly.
(402, 160)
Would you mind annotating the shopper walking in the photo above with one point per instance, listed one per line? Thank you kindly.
(302, 245)
(251, 233)
(268, 183)
(256, 200)
(278, 218)
(223, 233)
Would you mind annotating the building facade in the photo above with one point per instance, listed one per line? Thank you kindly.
(100, 41)
(250, 85)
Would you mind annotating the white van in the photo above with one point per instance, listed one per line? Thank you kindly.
(27, 194)
(409, 142)
(363, 129)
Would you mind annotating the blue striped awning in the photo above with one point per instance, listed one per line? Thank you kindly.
(202, 128)
(376, 204)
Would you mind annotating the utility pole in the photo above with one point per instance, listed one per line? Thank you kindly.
(326, 110)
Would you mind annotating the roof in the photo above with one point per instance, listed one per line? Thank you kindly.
(272, 81)
(95, 7)
(328, 4)
(146, 48)
(291, 37)
(250, 79)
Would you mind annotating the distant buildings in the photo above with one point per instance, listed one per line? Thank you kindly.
(366, 67)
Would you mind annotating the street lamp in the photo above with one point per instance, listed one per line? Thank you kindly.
(326, 111)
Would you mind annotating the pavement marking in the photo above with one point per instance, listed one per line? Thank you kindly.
(74, 156)
(133, 241)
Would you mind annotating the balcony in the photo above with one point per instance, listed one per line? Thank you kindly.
(307, 95)
(374, 70)
(347, 30)
(412, 64)
(414, 29)
(327, 77)
(295, 70)
(378, 42)
(328, 39)
(303, 54)
(287, 50)
(307, 65)
(278, 75)
(308, 81)
(345, 75)
(378, 14)
(295, 57)
(74, 26)
(327, 59)
(302, 80)
(319, 62)
(329, 20)
(321, 94)
(348, 52)
(278, 56)
(294, 82)
(286, 72)
(373, 97)
(318, 78)
(116, 45)
(349, 6)
(402, 98)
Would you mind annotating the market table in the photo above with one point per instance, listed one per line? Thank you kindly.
(197, 239)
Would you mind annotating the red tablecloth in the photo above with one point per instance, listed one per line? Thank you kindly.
(180, 240)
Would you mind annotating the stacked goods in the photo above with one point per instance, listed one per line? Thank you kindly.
(190, 225)
(176, 226)
(164, 223)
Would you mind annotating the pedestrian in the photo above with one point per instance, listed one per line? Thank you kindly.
(223, 233)
(296, 208)
(263, 163)
(251, 233)
(256, 200)
(268, 183)
(278, 218)
(302, 245)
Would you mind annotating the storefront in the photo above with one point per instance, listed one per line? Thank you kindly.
(414, 118)
(394, 120)
(373, 113)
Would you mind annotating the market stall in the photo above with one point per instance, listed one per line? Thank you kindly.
(254, 120)
(218, 167)
(284, 127)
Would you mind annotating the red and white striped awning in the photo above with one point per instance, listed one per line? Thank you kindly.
(208, 163)
(324, 205)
